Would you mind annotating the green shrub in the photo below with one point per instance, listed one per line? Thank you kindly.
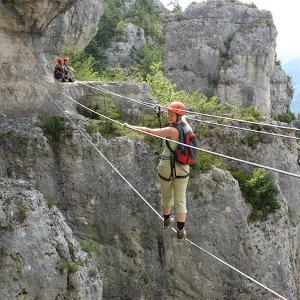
(116, 74)
(70, 267)
(172, 271)
(90, 246)
(144, 14)
(228, 41)
(51, 202)
(92, 127)
(205, 161)
(265, 17)
(259, 190)
(286, 117)
(151, 120)
(147, 55)
(22, 213)
(251, 139)
(277, 62)
(106, 127)
(225, 59)
(52, 126)
(106, 31)
(250, 114)
(146, 278)
(213, 80)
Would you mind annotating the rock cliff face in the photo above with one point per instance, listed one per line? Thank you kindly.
(124, 52)
(225, 48)
(76, 26)
(123, 48)
(281, 92)
(23, 68)
(140, 260)
(38, 250)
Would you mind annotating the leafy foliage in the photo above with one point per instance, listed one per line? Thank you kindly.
(52, 126)
(106, 127)
(147, 55)
(70, 267)
(116, 74)
(286, 117)
(106, 30)
(251, 139)
(52, 202)
(250, 114)
(90, 246)
(259, 190)
(22, 213)
(205, 161)
(143, 13)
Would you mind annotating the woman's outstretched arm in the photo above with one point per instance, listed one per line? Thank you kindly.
(169, 132)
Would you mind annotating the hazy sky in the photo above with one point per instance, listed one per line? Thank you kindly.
(286, 15)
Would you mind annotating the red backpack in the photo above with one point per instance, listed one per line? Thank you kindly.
(183, 154)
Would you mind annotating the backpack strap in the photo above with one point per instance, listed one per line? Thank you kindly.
(172, 161)
(173, 157)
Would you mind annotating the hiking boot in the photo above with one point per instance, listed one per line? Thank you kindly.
(63, 80)
(181, 234)
(168, 222)
(71, 80)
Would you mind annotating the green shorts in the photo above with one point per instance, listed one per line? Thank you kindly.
(174, 191)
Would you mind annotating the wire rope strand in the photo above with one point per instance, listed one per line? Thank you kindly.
(198, 113)
(193, 119)
(179, 143)
(197, 120)
(154, 210)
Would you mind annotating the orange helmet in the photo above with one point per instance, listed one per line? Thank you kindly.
(66, 59)
(59, 60)
(177, 107)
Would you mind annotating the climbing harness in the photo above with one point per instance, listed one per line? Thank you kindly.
(151, 207)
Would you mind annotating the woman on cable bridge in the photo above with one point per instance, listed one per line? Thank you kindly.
(173, 174)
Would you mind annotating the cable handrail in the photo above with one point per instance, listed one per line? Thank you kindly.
(205, 121)
(179, 143)
(154, 210)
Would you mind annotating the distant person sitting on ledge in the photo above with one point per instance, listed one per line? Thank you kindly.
(71, 71)
(60, 71)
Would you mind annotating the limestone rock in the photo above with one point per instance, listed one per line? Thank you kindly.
(24, 71)
(225, 48)
(37, 248)
(90, 95)
(75, 26)
(141, 260)
(30, 16)
(124, 52)
(282, 91)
